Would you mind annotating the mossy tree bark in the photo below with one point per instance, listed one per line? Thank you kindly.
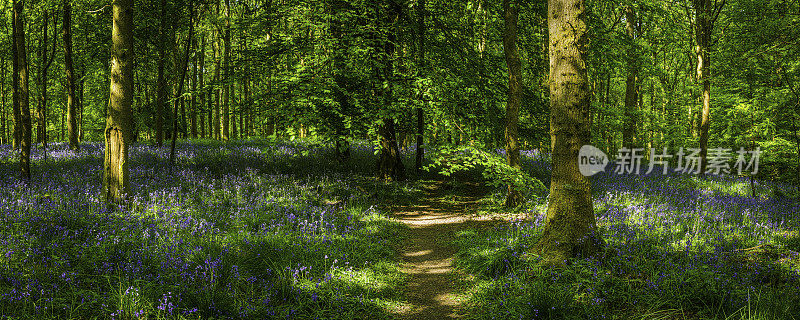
(118, 132)
(510, 14)
(570, 228)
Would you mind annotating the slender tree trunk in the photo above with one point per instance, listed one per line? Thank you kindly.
(629, 129)
(570, 229)
(217, 91)
(705, 16)
(116, 180)
(193, 104)
(421, 34)
(22, 90)
(201, 84)
(15, 80)
(3, 117)
(181, 80)
(510, 14)
(226, 74)
(161, 82)
(390, 165)
(72, 126)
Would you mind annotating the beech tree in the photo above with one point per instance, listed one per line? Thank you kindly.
(570, 228)
(116, 179)
(510, 14)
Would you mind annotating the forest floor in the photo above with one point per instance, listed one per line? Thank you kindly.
(434, 288)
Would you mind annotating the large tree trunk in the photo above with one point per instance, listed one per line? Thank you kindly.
(570, 229)
(24, 124)
(510, 14)
(118, 132)
(72, 124)
(631, 85)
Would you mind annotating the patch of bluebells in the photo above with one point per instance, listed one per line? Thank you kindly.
(679, 242)
(229, 234)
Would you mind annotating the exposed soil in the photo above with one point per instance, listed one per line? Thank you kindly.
(428, 251)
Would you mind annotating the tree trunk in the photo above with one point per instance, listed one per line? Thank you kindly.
(22, 90)
(72, 124)
(703, 26)
(421, 30)
(570, 228)
(181, 80)
(118, 133)
(193, 104)
(3, 117)
(15, 81)
(202, 103)
(226, 121)
(390, 165)
(510, 14)
(161, 82)
(629, 129)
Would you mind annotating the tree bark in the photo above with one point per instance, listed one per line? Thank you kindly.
(181, 80)
(22, 90)
(161, 82)
(200, 82)
(17, 135)
(570, 228)
(510, 14)
(72, 124)
(631, 83)
(116, 180)
(390, 165)
(703, 26)
(421, 30)
(226, 134)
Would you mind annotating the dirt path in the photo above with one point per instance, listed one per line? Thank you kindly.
(428, 252)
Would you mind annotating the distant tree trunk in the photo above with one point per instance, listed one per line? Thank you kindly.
(226, 74)
(17, 135)
(201, 109)
(421, 30)
(72, 124)
(22, 89)
(217, 91)
(705, 16)
(3, 118)
(631, 83)
(184, 68)
(510, 14)
(116, 180)
(193, 105)
(570, 228)
(161, 82)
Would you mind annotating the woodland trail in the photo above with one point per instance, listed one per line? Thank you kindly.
(427, 253)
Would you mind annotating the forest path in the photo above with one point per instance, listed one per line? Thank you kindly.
(427, 253)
